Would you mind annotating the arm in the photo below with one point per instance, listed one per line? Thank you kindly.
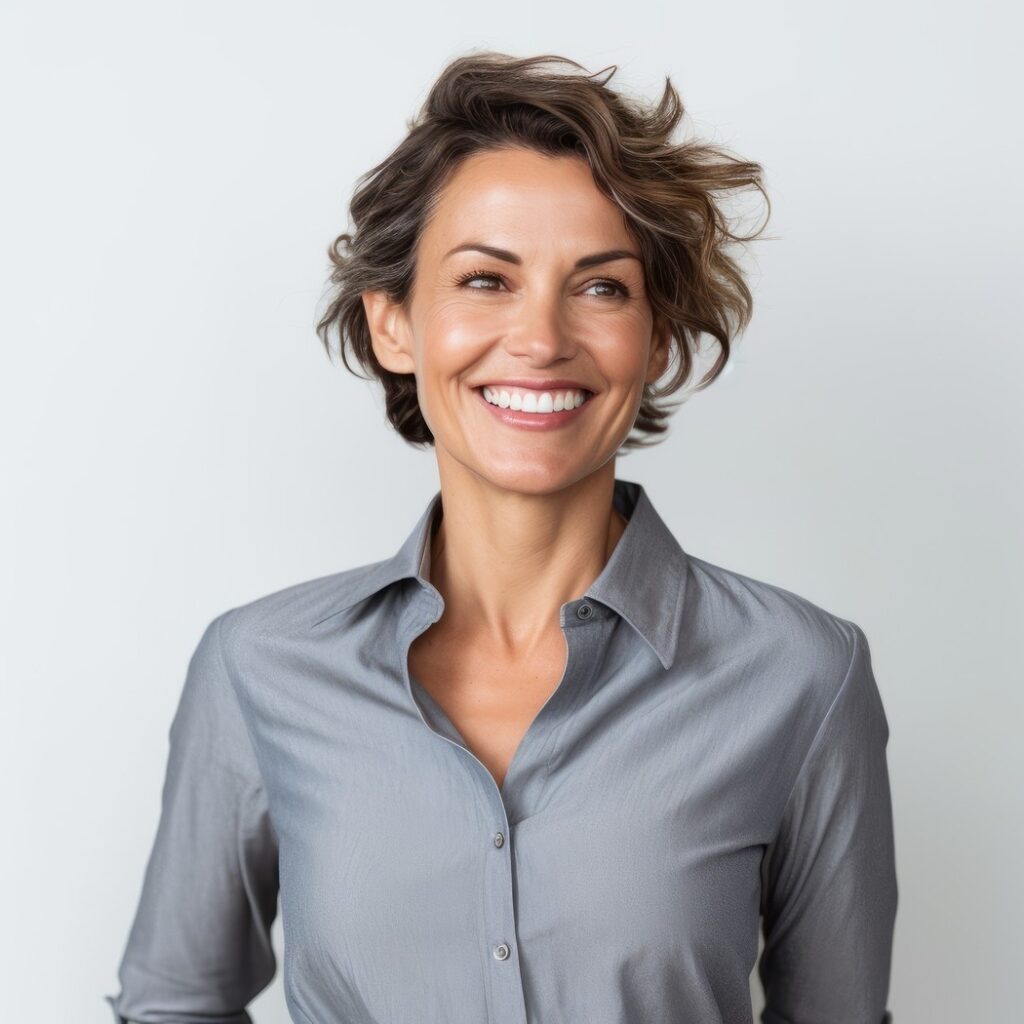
(199, 948)
(829, 890)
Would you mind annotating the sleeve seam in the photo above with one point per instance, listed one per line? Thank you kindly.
(229, 676)
(819, 734)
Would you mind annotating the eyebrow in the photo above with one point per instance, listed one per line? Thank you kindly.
(510, 257)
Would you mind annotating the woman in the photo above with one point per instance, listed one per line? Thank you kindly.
(541, 764)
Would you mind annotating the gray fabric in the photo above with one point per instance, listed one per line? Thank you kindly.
(713, 761)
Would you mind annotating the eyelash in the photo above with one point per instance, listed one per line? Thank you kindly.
(623, 290)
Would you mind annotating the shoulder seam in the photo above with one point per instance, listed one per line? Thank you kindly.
(229, 675)
(817, 740)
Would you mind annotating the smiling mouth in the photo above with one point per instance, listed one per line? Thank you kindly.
(537, 401)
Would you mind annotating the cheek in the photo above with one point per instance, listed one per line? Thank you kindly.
(450, 343)
(452, 338)
(621, 351)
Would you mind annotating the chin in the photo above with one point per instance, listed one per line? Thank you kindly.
(536, 476)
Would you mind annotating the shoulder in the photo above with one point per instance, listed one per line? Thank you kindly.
(295, 610)
(805, 650)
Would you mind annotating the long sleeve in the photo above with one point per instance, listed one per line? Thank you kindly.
(829, 890)
(199, 948)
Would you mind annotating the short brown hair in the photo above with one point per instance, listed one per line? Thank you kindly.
(669, 193)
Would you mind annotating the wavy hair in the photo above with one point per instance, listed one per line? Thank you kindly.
(671, 194)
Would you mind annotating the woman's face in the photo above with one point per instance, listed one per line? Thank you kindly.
(528, 288)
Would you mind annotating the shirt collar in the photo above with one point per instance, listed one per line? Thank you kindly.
(644, 581)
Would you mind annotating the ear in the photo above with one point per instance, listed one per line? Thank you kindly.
(661, 350)
(389, 332)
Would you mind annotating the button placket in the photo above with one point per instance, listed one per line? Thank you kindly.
(507, 997)
(507, 993)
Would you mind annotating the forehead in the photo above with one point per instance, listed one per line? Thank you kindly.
(519, 195)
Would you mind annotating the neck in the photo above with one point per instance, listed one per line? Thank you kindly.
(506, 561)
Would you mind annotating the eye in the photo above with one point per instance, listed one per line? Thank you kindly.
(610, 282)
(479, 274)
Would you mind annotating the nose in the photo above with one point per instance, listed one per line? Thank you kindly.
(540, 333)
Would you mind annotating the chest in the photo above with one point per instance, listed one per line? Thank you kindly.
(630, 831)
(491, 700)
(625, 855)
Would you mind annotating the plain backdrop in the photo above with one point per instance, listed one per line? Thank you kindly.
(176, 441)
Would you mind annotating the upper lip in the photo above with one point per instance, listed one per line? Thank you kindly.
(534, 382)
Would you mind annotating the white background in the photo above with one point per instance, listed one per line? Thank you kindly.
(176, 441)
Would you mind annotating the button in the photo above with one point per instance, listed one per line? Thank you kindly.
(584, 611)
(501, 952)
(499, 839)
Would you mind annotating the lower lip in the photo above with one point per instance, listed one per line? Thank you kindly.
(534, 420)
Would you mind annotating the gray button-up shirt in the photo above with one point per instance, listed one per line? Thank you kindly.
(712, 763)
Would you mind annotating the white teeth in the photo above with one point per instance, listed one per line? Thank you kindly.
(533, 401)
